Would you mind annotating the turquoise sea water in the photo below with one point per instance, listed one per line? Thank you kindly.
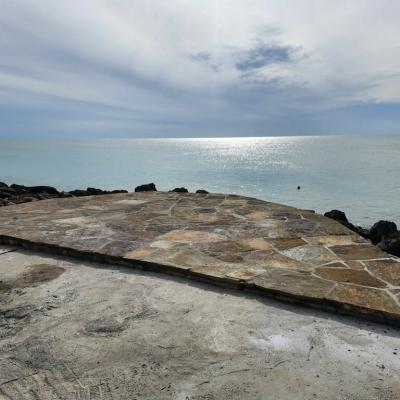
(357, 174)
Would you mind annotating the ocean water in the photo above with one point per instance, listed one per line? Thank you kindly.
(357, 174)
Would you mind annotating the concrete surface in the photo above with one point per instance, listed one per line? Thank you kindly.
(72, 330)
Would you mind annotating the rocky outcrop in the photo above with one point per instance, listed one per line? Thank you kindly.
(180, 190)
(391, 244)
(340, 216)
(148, 187)
(381, 230)
(16, 194)
(384, 234)
(337, 215)
(202, 191)
(79, 193)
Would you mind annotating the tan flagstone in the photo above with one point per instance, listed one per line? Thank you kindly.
(350, 276)
(388, 270)
(296, 283)
(257, 243)
(355, 265)
(333, 240)
(287, 243)
(359, 252)
(314, 254)
(189, 236)
(368, 299)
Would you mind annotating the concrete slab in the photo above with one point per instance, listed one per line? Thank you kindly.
(224, 239)
(78, 330)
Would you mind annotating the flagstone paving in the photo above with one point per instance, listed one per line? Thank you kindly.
(224, 239)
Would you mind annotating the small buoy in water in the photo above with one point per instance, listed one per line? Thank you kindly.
(298, 187)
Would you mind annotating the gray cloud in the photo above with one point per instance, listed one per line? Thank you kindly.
(202, 56)
(264, 55)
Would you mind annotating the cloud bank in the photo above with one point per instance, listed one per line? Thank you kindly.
(129, 68)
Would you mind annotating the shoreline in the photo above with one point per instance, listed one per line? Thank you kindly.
(383, 234)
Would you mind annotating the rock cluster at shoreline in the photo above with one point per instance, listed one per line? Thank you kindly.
(383, 234)
(16, 194)
(151, 187)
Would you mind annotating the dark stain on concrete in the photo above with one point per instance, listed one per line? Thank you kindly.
(14, 319)
(39, 274)
(36, 275)
(105, 327)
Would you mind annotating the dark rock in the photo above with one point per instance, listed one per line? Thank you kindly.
(79, 193)
(21, 189)
(94, 191)
(4, 195)
(119, 191)
(42, 189)
(381, 230)
(391, 244)
(357, 229)
(10, 191)
(337, 215)
(18, 189)
(360, 230)
(340, 216)
(202, 191)
(180, 190)
(149, 187)
(16, 194)
(65, 194)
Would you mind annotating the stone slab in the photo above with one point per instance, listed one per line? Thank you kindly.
(224, 239)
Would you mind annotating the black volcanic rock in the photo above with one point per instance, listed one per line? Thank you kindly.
(180, 190)
(18, 189)
(149, 187)
(340, 217)
(119, 191)
(357, 229)
(337, 215)
(202, 191)
(391, 244)
(21, 189)
(43, 189)
(16, 194)
(79, 193)
(4, 194)
(94, 191)
(65, 194)
(381, 230)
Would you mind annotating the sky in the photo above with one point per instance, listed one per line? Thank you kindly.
(198, 68)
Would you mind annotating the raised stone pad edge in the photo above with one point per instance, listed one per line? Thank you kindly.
(328, 304)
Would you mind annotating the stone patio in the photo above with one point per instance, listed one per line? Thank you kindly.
(223, 239)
